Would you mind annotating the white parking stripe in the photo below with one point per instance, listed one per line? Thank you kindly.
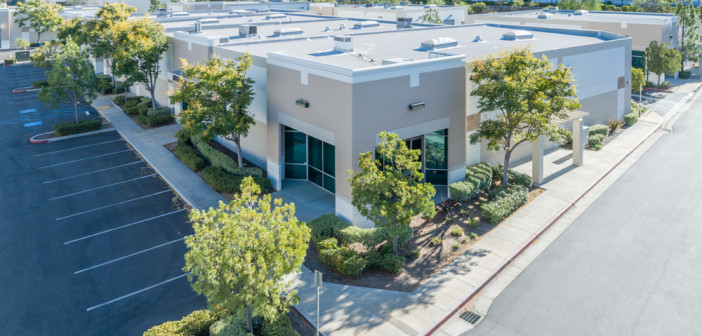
(70, 149)
(93, 172)
(88, 158)
(128, 256)
(98, 188)
(111, 205)
(123, 226)
(137, 292)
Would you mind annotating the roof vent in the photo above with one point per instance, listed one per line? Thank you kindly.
(287, 31)
(404, 22)
(343, 43)
(198, 26)
(327, 29)
(342, 27)
(517, 35)
(238, 12)
(366, 24)
(478, 39)
(275, 16)
(552, 10)
(250, 19)
(581, 12)
(545, 16)
(248, 30)
(440, 43)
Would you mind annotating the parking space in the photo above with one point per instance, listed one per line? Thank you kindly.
(92, 237)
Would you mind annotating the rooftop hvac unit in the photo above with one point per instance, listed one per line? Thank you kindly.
(404, 22)
(237, 12)
(440, 43)
(248, 30)
(580, 12)
(552, 10)
(343, 43)
(223, 40)
(287, 31)
(198, 26)
(517, 35)
(366, 24)
(545, 16)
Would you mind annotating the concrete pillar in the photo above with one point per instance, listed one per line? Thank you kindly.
(579, 139)
(537, 160)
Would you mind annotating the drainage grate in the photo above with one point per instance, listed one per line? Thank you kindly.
(470, 317)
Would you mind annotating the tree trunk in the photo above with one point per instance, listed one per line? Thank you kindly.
(394, 244)
(38, 36)
(153, 97)
(505, 175)
(659, 79)
(249, 318)
(682, 48)
(237, 141)
(75, 106)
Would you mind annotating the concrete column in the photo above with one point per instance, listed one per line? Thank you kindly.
(579, 138)
(537, 160)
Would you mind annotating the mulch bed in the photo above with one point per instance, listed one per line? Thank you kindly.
(432, 258)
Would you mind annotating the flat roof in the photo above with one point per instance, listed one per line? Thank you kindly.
(226, 20)
(626, 17)
(370, 50)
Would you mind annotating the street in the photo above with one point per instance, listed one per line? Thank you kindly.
(629, 265)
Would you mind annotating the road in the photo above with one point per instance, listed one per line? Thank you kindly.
(630, 264)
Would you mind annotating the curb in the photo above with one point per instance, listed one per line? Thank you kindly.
(72, 136)
(455, 307)
(25, 90)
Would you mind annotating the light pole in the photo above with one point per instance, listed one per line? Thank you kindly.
(318, 285)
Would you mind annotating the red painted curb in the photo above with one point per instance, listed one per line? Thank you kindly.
(445, 317)
(19, 91)
(657, 90)
(39, 141)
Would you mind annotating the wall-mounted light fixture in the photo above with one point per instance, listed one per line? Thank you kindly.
(303, 103)
(416, 106)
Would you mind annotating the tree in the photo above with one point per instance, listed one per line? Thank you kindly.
(516, 4)
(240, 252)
(44, 56)
(218, 94)
(580, 4)
(687, 19)
(637, 79)
(22, 43)
(661, 59)
(154, 5)
(653, 6)
(102, 32)
(74, 29)
(71, 79)
(389, 190)
(528, 95)
(40, 15)
(478, 7)
(431, 16)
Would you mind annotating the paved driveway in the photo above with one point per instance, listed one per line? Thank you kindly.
(91, 236)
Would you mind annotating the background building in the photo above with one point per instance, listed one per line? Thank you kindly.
(452, 15)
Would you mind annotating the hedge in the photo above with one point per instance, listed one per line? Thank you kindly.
(326, 226)
(478, 177)
(385, 261)
(10, 61)
(631, 118)
(158, 118)
(222, 181)
(230, 326)
(514, 176)
(197, 323)
(186, 154)
(505, 203)
(344, 260)
(40, 84)
(374, 236)
(281, 327)
(219, 159)
(599, 129)
(595, 141)
(68, 128)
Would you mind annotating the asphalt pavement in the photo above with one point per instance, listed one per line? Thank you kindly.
(629, 265)
(91, 236)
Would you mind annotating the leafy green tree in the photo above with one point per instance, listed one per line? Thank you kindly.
(74, 29)
(478, 7)
(661, 59)
(240, 252)
(580, 4)
(218, 94)
(653, 6)
(154, 5)
(71, 79)
(687, 19)
(22, 43)
(40, 15)
(528, 95)
(102, 32)
(516, 4)
(431, 16)
(389, 189)
(637, 79)
(44, 56)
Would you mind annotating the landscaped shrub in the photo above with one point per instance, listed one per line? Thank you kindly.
(463, 190)
(614, 125)
(183, 137)
(220, 180)
(219, 159)
(684, 74)
(478, 177)
(10, 61)
(156, 119)
(186, 154)
(144, 107)
(197, 323)
(599, 129)
(280, 327)
(326, 226)
(514, 176)
(505, 202)
(374, 236)
(344, 260)
(631, 118)
(664, 85)
(68, 128)
(392, 263)
(40, 84)
(326, 244)
(230, 326)
(595, 141)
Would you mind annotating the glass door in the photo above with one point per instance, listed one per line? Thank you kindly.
(295, 154)
(308, 158)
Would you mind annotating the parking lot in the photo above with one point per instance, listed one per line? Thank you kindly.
(91, 236)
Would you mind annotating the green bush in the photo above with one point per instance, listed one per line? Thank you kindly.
(478, 177)
(514, 176)
(684, 74)
(326, 226)
(505, 202)
(222, 181)
(631, 118)
(40, 84)
(68, 128)
(229, 326)
(595, 141)
(326, 244)
(374, 236)
(463, 190)
(158, 119)
(159, 110)
(143, 108)
(344, 260)
(414, 253)
(186, 154)
(599, 129)
(183, 137)
(219, 159)
(197, 323)
(10, 61)
(393, 263)
(280, 327)
(664, 85)
(456, 231)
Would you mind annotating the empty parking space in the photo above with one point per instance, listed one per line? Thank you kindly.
(94, 237)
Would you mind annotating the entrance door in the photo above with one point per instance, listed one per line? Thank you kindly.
(308, 158)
